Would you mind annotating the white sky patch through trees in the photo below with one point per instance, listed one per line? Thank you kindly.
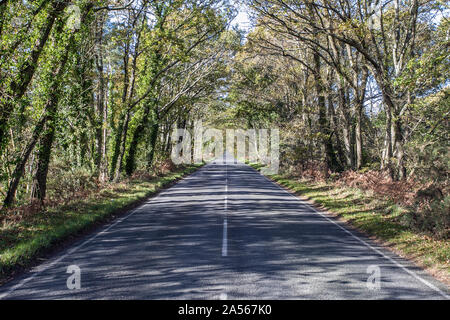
(242, 20)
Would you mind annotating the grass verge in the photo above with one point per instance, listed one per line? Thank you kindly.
(378, 218)
(23, 239)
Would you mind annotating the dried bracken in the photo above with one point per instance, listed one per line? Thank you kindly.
(401, 192)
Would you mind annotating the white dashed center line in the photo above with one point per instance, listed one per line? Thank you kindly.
(225, 221)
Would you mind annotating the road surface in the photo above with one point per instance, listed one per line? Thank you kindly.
(225, 232)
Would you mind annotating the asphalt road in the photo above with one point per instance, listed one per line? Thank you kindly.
(226, 232)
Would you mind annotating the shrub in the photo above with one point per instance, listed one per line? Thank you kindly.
(430, 216)
(66, 183)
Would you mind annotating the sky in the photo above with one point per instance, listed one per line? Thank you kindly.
(241, 20)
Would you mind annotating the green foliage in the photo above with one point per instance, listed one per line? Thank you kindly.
(109, 69)
(428, 145)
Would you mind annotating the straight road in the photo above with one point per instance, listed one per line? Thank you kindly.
(226, 232)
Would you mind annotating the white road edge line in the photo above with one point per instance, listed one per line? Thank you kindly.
(412, 273)
(44, 267)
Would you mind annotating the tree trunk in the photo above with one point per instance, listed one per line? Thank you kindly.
(346, 127)
(168, 148)
(360, 93)
(358, 137)
(119, 148)
(333, 119)
(153, 139)
(101, 108)
(130, 166)
(103, 170)
(22, 161)
(40, 184)
(399, 152)
(330, 156)
(387, 153)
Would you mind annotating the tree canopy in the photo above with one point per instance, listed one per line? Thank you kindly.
(91, 90)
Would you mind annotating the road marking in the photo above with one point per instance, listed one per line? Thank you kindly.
(225, 240)
(431, 286)
(223, 296)
(225, 221)
(41, 268)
